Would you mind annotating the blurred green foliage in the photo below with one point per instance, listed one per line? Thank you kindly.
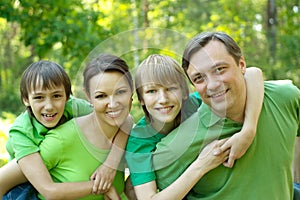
(5, 124)
(71, 32)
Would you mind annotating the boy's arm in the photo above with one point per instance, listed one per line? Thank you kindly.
(240, 142)
(205, 162)
(104, 175)
(38, 175)
(10, 176)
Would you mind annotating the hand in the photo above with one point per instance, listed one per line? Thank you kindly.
(103, 178)
(208, 156)
(112, 194)
(238, 144)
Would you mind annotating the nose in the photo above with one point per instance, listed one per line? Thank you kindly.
(162, 96)
(48, 104)
(112, 102)
(213, 82)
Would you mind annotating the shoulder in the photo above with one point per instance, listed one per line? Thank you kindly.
(22, 123)
(195, 98)
(140, 126)
(284, 88)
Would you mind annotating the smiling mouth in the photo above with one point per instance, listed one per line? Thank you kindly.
(114, 114)
(48, 115)
(165, 109)
(219, 94)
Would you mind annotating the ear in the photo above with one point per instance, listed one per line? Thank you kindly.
(142, 102)
(242, 65)
(25, 102)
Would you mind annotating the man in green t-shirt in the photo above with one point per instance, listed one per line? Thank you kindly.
(214, 64)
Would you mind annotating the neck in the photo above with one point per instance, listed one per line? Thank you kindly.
(162, 127)
(106, 129)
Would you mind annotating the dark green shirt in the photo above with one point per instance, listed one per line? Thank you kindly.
(142, 142)
(264, 171)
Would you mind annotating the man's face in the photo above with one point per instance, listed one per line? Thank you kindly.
(218, 79)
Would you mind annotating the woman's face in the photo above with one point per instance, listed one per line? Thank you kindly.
(111, 96)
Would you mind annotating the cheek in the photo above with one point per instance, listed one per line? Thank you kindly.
(61, 105)
(147, 100)
(201, 89)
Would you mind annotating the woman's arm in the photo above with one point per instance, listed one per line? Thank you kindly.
(104, 175)
(179, 188)
(240, 142)
(38, 175)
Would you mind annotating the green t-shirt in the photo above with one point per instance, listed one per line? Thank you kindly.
(27, 133)
(70, 157)
(264, 172)
(142, 142)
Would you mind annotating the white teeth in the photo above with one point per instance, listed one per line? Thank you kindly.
(218, 94)
(165, 109)
(114, 113)
(48, 115)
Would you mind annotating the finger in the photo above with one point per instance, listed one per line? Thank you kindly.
(101, 184)
(93, 176)
(222, 141)
(96, 185)
(105, 186)
(223, 145)
(230, 162)
(227, 145)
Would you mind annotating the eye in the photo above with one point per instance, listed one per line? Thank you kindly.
(198, 79)
(220, 69)
(121, 91)
(150, 91)
(100, 96)
(38, 97)
(57, 96)
(173, 88)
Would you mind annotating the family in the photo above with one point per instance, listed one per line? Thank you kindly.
(233, 138)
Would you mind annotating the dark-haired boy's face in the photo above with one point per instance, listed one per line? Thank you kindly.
(47, 105)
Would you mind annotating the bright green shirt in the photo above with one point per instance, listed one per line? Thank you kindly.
(70, 157)
(27, 133)
(264, 172)
(142, 142)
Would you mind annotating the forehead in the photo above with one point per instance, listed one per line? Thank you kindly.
(108, 81)
(40, 87)
(209, 56)
(158, 85)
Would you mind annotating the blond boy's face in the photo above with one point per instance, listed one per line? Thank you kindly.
(47, 105)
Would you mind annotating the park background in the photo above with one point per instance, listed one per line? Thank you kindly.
(67, 31)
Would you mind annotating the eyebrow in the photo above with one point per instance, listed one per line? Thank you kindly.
(42, 92)
(219, 63)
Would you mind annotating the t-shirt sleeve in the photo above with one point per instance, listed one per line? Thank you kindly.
(23, 139)
(21, 144)
(76, 107)
(139, 158)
